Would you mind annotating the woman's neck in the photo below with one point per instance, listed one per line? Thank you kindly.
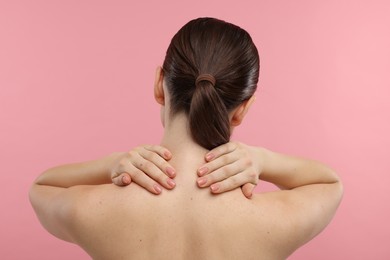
(186, 154)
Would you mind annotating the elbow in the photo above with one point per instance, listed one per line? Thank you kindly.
(340, 190)
(40, 179)
(32, 194)
(338, 186)
(334, 181)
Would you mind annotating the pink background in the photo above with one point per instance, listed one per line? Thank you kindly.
(76, 83)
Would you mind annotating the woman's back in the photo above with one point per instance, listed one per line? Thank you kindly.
(112, 222)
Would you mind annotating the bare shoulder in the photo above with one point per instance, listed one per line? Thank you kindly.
(300, 214)
(102, 215)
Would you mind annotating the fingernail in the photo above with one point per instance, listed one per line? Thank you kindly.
(202, 181)
(167, 154)
(202, 171)
(170, 171)
(214, 187)
(125, 179)
(171, 183)
(209, 157)
(157, 188)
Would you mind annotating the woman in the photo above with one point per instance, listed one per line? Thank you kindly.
(205, 88)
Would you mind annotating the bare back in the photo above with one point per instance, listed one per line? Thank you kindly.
(185, 223)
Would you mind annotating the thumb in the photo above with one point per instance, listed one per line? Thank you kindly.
(123, 179)
(247, 189)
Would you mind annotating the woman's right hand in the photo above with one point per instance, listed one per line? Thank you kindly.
(145, 165)
(230, 166)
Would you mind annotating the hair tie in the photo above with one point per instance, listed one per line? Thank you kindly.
(206, 77)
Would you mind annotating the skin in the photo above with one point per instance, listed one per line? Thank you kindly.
(213, 220)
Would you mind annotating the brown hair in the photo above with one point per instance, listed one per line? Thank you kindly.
(227, 56)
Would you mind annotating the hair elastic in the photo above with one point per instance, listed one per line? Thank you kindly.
(206, 77)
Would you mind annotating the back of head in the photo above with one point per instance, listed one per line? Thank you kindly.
(210, 68)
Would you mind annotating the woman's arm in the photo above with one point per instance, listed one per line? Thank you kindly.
(144, 165)
(85, 173)
(288, 172)
(236, 164)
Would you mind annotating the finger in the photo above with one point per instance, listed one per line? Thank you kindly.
(218, 163)
(226, 185)
(233, 182)
(223, 173)
(157, 160)
(162, 151)
(247, 190)
(150, 169)
(123, 179)
(220, 150)
(145, 181)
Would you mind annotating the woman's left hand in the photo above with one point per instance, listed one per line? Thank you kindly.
(230, 166)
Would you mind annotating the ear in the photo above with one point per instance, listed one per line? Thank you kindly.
(158, 86)
(240, 111)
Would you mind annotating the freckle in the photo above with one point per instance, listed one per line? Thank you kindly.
(140, 240)
(191, 198)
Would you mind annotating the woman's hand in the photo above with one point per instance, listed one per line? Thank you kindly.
(145, 165)
(230, 166)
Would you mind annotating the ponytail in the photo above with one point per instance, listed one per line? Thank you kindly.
(208, 116)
